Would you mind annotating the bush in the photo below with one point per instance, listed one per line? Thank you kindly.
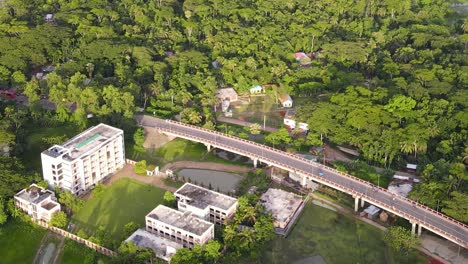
(59, 220)
(151, 167)
(99, 190)
(129, 228)
(139, 137)
(140, 167)
(169, 199)
(82, 233)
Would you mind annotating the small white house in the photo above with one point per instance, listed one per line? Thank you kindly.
(286, 100)
(37, 202)
(49, 17)
(290, 121)
(256, 89)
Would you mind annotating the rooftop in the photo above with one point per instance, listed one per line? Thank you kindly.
(83, 142)
(281, 204)
(226, 93)
(285, 97)
(184, 221)
(49, 205)
(201, 197)
(34, 194)
(162, 247)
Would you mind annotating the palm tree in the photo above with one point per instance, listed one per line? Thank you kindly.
(250, 215)
(247, 237)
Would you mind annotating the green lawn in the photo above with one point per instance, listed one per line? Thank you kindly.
(124, 201)
(175, 150)
(35, 144)
(337, 238)
(76, 253)
(19, 242)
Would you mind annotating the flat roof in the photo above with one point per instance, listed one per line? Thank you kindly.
(226, 92)
(34, 194)
(184, 221)
(159, 245)
(83, 142)
(281, 204)
(201, 197)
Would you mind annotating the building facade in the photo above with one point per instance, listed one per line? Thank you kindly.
(205, 204)
(37, 202)
(180, 227)
(83, 161)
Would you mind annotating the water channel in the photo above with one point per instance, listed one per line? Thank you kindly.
(225, 181)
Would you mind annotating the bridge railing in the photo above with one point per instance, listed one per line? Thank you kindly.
(323, 178)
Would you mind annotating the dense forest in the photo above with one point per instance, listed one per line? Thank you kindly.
(395, 71)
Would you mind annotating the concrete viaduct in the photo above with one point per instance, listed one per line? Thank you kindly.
(419, 215)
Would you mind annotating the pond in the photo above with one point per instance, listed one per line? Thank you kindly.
(225, 181)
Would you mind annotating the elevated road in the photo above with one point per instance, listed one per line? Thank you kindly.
(417, 214)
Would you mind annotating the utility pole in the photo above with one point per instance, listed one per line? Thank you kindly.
(264, 122)
(312, 46)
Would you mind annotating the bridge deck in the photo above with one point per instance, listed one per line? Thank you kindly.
(434, 221)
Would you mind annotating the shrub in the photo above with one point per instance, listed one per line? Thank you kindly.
(140, 167)
(139, 137)
(59, 220)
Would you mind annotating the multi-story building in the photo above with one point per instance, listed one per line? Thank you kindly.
(37, 202)
(205, 204)
(84, 160)
(180, 227)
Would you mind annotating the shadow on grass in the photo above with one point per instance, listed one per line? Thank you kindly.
(124, 201)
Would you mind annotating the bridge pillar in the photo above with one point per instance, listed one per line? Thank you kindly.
(304, 180)
(413, 228)
(208, 147)
(255, 162)
(419, 230)
(362, 202)
(356, 203)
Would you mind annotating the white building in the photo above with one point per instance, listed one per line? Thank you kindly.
(256, 89)
(37, 202)
(205, 204)
(83, 161)
(163, 248)
(286, 100)
(180, 227)
(290, 121)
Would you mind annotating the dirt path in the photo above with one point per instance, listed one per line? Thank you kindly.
(206, 166)
(55, 255)
(59, 249)
(41, 248)
(242, 123)
(127, 172)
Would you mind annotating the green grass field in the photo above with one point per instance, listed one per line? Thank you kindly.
(337, 238)
(19, 242)
(35, 144)
(76, 253)
(175, 150)
(124, 201)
